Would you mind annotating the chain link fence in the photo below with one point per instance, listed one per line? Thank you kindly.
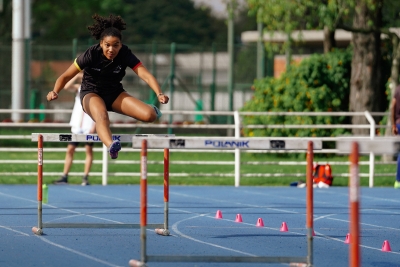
(195, 77)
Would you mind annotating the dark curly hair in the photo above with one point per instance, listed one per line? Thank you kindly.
(107, 26)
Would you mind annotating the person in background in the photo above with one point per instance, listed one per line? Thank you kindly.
(395, 118)
(81, 123)
(104, 66)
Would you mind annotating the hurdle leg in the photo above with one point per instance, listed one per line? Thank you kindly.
(354, 196)
(143, 208)
(165, 231)
(38, 230)
(310, 202)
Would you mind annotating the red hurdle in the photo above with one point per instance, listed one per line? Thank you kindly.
(354, 196)
(310, 201)
(38, 229)
(293, 260)
(160, 228)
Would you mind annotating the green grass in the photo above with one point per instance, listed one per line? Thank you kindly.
(179, 168)
(176, 168)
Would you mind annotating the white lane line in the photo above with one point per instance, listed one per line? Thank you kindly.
(363, 196)
(341, 241)
(319, 235)
(175, 229)
(83, 215)
(77, 213)
(21, 198)
(77, 252)
(294, 198)
(368, 224)
(231, 202)
(12, 230)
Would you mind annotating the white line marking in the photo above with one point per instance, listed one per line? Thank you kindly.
(77, 252)
(12, 230)
(175, 229)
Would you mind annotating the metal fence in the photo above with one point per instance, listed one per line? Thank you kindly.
(196, 76)
(234, 128)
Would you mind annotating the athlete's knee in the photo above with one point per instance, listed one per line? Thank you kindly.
(70, 150)
(150, 117)
(102, 118)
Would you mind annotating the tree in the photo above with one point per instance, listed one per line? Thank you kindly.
(147, 21)
(367, 80)
(367, 89)
(279, 15)
(5, 22)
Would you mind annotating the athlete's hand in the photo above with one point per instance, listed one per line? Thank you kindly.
(52, 95)
(394, 130)
(163, 99)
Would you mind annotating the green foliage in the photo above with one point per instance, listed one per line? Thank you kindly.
(319, 83)
(151, 20)
(245, 66)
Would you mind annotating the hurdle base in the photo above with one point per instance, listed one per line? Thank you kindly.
(233, 259)
(136, 263)
(99, 225)
(37, 230)
(161, 231)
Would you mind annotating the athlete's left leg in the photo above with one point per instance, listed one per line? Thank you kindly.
(133, 107)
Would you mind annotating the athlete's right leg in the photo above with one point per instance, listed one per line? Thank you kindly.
(88, 159)
(69, 157)
(94, 106)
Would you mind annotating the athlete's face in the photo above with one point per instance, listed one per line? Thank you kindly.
(111, 46)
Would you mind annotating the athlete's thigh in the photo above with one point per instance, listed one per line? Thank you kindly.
(132, 107)
(94, 106)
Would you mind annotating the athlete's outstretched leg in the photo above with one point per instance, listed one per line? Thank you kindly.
(133, 107)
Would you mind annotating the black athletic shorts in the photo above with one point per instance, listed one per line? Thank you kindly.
(75, 144)
(108, 97)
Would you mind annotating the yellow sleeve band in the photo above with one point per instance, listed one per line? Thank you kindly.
(76, 65)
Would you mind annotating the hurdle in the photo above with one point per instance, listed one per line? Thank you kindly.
(354, 147)
(225, 143)
(161, 228)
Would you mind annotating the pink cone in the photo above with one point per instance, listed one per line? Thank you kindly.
(386, 246)
(238, 218)
(347, 240)
(218, 215)
(260, 222)
(284, 227)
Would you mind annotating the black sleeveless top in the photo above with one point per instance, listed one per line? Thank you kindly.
(102, 75)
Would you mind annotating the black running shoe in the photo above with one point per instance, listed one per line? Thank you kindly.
(62, 180)
(85, 181)
(114, 148)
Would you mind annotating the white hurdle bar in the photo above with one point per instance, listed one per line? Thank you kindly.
(68, 137)
(161, 228)
(378, 145)
(226, 143)
(278, 143)
(233, 143)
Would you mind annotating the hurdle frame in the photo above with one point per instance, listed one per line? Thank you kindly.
(160, 228)
(235, 143)
(354, 147)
